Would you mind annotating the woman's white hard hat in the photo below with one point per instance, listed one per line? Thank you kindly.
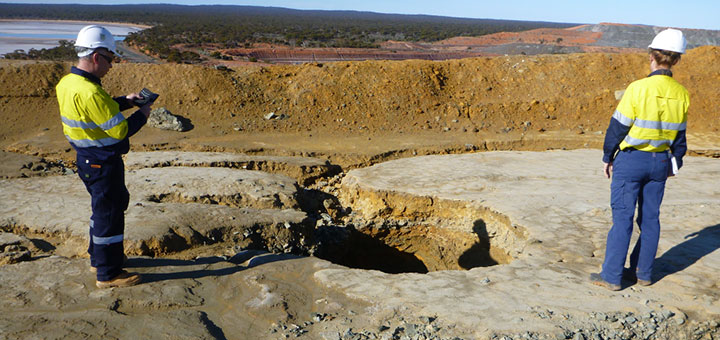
(669, 40)
(93, 37)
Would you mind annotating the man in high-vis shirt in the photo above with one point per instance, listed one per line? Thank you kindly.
(97, 130)
(644, 144)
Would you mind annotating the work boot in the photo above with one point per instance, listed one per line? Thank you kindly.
(644, 282)
(94, 269)
(597, 280)
(631, 276)
(124, 279)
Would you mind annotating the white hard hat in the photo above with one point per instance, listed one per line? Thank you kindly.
(92, 37)
(669, 40)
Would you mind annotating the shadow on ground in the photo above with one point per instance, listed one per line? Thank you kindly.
(239, 262)
(678, 258)
(479, 254)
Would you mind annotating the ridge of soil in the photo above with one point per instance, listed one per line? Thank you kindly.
(376, 107)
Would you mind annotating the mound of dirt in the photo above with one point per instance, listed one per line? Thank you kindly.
(469, 97)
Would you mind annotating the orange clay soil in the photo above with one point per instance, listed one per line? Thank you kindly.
(356, 113)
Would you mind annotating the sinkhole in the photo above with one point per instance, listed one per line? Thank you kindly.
(410, 249)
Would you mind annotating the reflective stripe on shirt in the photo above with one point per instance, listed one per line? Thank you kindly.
(86, 143)
(654, 143)
(113, 122)
(624, 120)
(78, 124)
(649, 124)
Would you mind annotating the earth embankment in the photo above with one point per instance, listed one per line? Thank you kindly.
(514, 95)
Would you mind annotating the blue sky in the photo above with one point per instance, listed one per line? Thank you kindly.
(701, 14)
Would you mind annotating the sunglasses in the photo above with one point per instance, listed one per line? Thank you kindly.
(107, 58)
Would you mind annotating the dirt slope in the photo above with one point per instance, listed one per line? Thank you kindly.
(468, 97)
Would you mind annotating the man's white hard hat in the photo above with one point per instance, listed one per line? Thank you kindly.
(92, 37)
(669, 40)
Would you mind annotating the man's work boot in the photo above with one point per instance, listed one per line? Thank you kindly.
(124, 279)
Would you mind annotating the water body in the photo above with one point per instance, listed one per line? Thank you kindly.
(24, 35)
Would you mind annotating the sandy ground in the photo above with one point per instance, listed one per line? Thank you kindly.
(455, 167)
(541, 215)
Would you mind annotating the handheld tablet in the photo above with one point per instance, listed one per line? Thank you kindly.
(148, 97)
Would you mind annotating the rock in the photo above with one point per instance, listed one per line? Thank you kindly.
(14, 248)
(326, 218)
(10, 257)
(163, 119)
(411, 330)
(274, 116)
(427, 319)
(332, 208)
(172, 209)
(302, 169)
(10, 239)
(666, 314)
(619, 94)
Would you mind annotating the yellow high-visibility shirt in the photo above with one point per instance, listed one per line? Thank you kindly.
(655, 108)
(90, 117)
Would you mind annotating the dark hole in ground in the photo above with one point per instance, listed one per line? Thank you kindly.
(417, 249)
(366, 252)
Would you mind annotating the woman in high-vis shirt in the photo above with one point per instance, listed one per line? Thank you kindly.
(644, 144)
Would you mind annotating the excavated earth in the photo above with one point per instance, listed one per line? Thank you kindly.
(358, 200)
(598, 38)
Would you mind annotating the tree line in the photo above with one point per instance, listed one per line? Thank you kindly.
(64, 52)
(243, 26)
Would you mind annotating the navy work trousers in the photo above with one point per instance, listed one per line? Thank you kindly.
(638, 180)
(105, 181)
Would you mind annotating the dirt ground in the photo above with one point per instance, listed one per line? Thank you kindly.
(352, 114)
